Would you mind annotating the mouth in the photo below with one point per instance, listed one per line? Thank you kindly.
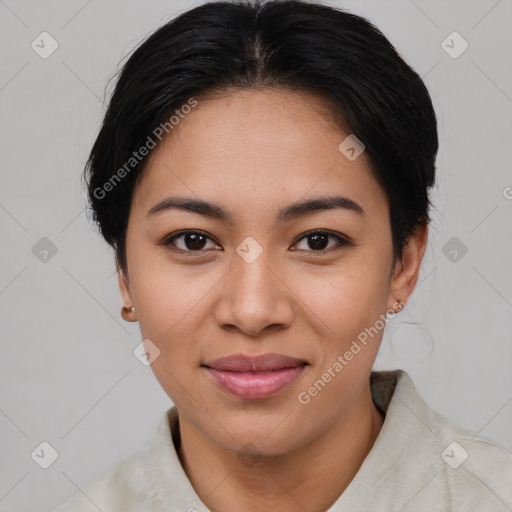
(255, 378)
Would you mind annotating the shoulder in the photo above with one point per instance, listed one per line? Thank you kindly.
(121, 487)
(474, 472)
(478, 471)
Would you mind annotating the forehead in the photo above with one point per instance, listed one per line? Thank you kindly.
(270, 145)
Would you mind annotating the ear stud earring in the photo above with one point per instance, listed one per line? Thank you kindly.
(400, 305)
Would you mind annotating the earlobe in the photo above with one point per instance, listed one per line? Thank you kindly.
(127, 311)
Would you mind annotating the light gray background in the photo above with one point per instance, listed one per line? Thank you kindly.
(67, 370)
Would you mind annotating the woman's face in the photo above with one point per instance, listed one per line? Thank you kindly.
(259, 280)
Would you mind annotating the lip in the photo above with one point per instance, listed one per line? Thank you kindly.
(255, 377)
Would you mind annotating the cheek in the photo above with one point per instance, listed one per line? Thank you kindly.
(167, 298)
(168, 314)
(171, 302)
(351, 306)
(349, 298)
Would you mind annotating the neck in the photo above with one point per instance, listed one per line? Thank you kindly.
(311, 478)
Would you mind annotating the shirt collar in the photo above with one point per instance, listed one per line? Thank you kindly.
(393, 394)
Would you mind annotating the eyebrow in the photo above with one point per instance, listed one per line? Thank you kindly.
(290, 212)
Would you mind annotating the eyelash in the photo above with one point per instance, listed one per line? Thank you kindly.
(342, 241)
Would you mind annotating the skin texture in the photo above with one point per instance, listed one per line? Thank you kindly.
(252, 153)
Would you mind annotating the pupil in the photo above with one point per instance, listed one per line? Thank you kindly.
(319, 241)
(193, 241)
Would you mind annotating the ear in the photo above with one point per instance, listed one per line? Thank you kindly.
(407, 269)
(124, 288)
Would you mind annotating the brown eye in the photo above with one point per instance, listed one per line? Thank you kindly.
(190, 241)
(318, 241)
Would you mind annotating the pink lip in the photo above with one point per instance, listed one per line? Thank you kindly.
(253, 378)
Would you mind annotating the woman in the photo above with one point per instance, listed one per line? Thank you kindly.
(263, 175)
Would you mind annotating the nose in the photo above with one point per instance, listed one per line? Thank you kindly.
(255, 299)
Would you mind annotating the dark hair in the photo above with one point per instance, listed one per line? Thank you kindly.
(291, 44)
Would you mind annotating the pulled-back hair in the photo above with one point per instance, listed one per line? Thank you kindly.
(253, 44)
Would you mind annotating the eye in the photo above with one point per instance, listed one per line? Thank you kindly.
(197, 241)
(189, 241)
(318, 241)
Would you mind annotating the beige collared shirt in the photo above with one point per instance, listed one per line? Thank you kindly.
(419, 462)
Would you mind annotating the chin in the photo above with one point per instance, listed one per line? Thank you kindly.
(268, 435)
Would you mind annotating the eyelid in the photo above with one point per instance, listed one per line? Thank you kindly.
(168, 239)
(342, 240)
